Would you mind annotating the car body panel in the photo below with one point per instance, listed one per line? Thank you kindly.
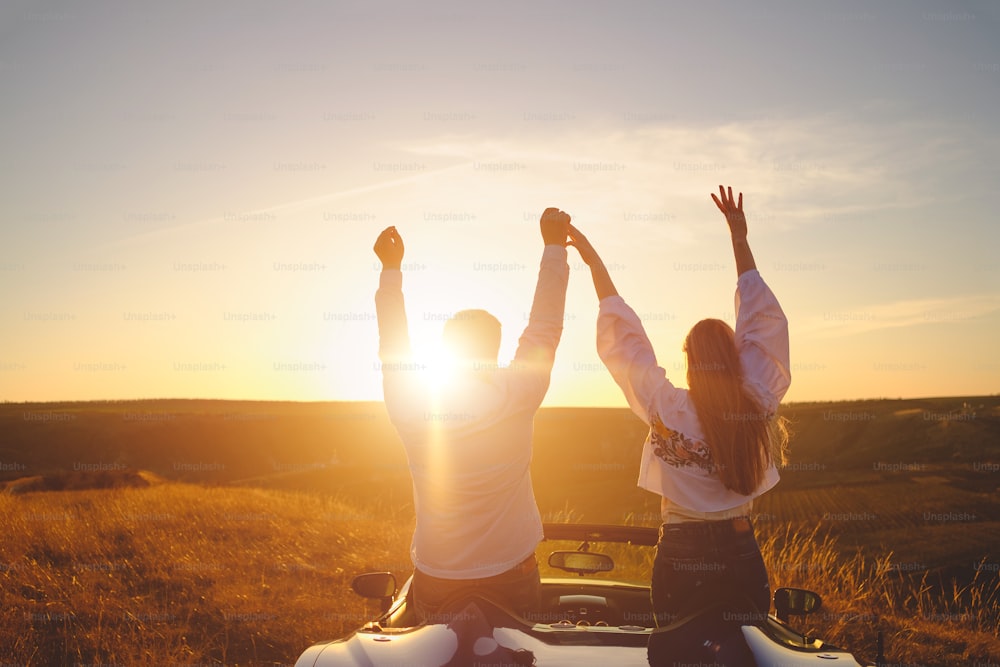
(572, 646)
(584, 622)
(767, 652)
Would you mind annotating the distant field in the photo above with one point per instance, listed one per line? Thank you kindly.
(257, 513)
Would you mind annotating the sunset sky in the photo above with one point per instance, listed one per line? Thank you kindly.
(191, 191)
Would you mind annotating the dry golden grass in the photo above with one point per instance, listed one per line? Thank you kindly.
(178, 574)
(921, 624)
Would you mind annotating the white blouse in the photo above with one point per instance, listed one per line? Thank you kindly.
(676, 462)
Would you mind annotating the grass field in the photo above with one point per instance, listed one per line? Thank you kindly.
(241, 524)
(178, 574)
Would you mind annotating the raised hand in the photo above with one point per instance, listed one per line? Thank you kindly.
(389, 248)
(582, 245)
(737, 222)
(735, 217)
(555, 226)
(603, 284)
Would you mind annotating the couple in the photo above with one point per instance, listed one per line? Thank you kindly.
(711, 449)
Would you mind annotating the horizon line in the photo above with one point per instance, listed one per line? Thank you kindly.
(165, 399)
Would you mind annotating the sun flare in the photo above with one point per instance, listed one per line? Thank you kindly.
(436, 362)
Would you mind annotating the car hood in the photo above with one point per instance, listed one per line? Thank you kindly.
(470, 639)
(474, 637)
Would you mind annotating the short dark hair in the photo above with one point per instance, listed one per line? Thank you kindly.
(473, 334)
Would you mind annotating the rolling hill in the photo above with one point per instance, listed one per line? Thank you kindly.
(918, 477)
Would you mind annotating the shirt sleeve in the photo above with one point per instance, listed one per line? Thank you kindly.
(762, 338)
(400, 374)
(390, 309)
(536, 349)
(625, 349)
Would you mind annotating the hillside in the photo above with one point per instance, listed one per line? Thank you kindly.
(916, 477)
(225, 441)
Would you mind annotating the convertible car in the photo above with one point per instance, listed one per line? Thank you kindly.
(589, 616)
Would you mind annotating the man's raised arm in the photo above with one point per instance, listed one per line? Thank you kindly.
(393, 334)
(400, 376)
(536, 348)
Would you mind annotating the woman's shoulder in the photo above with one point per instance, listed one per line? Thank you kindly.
(673, 409)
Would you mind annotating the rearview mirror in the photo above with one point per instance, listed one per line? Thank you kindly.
(581, 562)
(797, 601)
(376, 586)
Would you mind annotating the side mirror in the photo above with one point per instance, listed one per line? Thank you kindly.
(581, 562)
(376, 586)
(795, 601)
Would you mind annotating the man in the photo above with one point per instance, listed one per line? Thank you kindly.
(468, 442)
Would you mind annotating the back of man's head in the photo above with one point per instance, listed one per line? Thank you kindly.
(473, 335)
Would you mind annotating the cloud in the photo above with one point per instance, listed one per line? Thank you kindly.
(801, 171)
(278, 209)
(900, 314)
(657, 177)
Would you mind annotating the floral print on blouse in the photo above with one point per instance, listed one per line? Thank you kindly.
(677, 449)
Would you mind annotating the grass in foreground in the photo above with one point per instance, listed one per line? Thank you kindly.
(921, 624)
(181, 575)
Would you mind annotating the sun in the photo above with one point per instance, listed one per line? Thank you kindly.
(437, 362)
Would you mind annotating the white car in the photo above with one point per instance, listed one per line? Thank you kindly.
(583, 621)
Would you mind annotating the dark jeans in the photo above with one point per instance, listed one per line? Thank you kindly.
(518, 588)
(699, 564)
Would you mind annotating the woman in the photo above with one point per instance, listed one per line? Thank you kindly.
(712, 448)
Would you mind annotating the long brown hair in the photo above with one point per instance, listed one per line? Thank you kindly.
(742, 438)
